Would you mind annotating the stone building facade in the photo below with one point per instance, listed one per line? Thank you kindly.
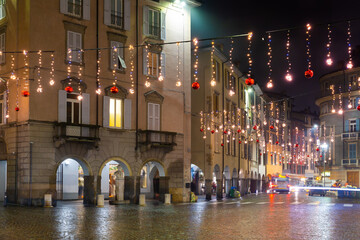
(138, 126)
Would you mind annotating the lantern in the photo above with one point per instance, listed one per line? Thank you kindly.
(195, 85)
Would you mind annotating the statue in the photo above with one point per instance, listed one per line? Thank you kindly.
(119, 184)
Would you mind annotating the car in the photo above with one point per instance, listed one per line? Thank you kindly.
(321, 192)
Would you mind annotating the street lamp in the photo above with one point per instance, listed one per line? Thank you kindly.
(324, 146)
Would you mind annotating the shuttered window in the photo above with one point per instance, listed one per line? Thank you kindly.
(117, 55)
(154, 23)
(74, 7)
(154, 116)
(74, 46)
(73, 109)
(352, 151)
(117, 13)
(115, 113)
(2, 9)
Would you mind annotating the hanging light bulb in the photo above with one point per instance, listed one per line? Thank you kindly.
(80, 97)
(289, 77)
(269, 84)
(178, 83)
(98, 91)
(213, 83)
(340, 112)
(147, 84)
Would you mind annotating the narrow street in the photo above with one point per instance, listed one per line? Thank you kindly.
(293, 216)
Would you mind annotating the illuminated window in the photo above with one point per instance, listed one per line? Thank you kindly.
(115, 113)
(153, 69)
(73, 109)
(117, 55)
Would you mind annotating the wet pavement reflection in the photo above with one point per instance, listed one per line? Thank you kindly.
(266, 216)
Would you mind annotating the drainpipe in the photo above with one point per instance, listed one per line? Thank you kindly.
(30, 180)
(137, 76)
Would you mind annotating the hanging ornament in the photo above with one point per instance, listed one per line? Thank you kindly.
(255, 127)
(195, 85)
(317, 149)
(69, 89)
(17, 109)
(269, 83)
(212, 131)
(201, 130)
(271, 127)
(308, 73)
(288, 75)
(114, 90)
(25, 93)
(329, 61)
(358, 108)
(249, 81)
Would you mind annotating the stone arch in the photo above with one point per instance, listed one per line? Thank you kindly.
(226, 172)
(82, 162)
(125, 166)
(154, 180)
(158, 164)
(217, 171)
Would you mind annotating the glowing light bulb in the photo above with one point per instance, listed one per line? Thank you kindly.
(39, 89)
(98, 91)
(147, 84)
(52, 82)
(231, 92)
(349, 65)
(80, 97)
(329, 61)
(333, 110)
(213, 83)
(161, 78)
(341, 112)
(350, 106)
(13, 77)
(131, 91)
(269, 84)
(288, 77)
(178, 83)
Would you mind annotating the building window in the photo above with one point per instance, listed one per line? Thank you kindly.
(74, 46)
(2, 48)
(352, 151)
(2, 9)
(153, 59)
(353, 80)
(217, 70)
(74, 7)
(215, 102)
(116, 113)
(117, 55)
(154, 23)
(73, 109)
(117, 12)
(352, 125)
(153, 116)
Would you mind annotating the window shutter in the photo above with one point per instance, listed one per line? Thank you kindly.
(346, 125)
(3, 10)
(127, 11)
(64, 6)
(163, 60)
(145, 69)
(78, 46)
(146, 20)
(85, 108)
(62, 106)
(150, 116)
(70, 44)
(358, 124)
(86, 9)
(2, 47)
(127, 113)
(156, 117)
(106, 110)
(163, 26)
(107, 12)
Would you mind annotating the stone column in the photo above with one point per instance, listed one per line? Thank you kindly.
(208, 189)
(219, 189)
(227, 187)
(132, 188)
(89, 191)
(163, 187)
(119, 189)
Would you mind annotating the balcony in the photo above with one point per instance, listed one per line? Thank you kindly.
(157, 139)
(350, 136)
(65, 132)
(349, 162)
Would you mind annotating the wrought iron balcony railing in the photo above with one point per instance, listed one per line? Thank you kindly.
(351, 161)
(157, 139)
(350, 136)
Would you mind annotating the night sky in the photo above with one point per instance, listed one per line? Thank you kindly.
(230, 17)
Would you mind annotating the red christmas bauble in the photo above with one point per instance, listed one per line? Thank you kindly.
(255, 127)
(222, 144)
(25, 93)
(201, 129)
(249, 81)
(195, 85)
(69, 89)
(309, 73)
(308, 156)
(257, 140)
(271, 155)
(238, 130)
(271, 126)
(321, 156)
(277, 142)
(282, 157)
(260, 154)
(239, 142)
(317, 149)
(212, 131)
(114, 89)
(225, 132)
(17, 109)
(358, 107)
(296, 145)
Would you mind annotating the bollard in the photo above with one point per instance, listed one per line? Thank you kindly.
(167, 198)
(142, 200)
(100, 200)
(47, 200)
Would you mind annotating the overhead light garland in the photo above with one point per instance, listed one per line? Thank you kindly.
(178, 82)
(195, 85)
(147, 82)
(288, 75)
(98, 70)
(270, 82)
(132, 88)
(39, 77)
(52, 70)
(249, 81)
(213, 81)
(25, 92)
(308, 73)
(232, 90)
(349, 65)
(329, 61)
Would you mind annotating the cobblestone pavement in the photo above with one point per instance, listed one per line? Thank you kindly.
(293, 216)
